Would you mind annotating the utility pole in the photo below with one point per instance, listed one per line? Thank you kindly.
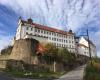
(89, 47)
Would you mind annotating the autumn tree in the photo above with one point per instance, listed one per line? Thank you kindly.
(59, 55)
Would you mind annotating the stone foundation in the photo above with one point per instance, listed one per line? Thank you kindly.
(23, 50)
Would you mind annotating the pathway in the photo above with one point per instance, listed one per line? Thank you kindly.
(76, 74)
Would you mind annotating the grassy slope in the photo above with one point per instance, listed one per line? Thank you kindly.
(92, 72)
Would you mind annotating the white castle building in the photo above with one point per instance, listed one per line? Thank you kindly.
(83, 47)
(45, 34)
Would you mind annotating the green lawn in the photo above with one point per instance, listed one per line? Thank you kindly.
(92, 72)
(28, 74)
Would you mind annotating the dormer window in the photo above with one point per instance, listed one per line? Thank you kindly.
(30, 21)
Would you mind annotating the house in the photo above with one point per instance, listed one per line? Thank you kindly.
(83, 47)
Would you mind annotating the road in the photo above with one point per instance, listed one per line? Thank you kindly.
(76, 74)
(3, 76)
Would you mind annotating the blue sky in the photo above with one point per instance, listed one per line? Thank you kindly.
(61, 14)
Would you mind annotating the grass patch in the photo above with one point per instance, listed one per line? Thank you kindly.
(92, 72)
(28, 74)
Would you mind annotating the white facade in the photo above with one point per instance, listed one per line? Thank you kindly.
(83, 47)
(56, 37)
(42, 40)
(50, 35)
(83, 50)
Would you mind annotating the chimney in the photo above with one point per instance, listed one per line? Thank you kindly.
(70, 31)
(30, 21)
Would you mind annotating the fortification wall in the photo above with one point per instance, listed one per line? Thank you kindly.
(23, 49)
(3, 60)
(4, 57)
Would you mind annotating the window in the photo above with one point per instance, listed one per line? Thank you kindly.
(38, 30)
(31, 29)
(64, 40)
(57, 34)
(26, 32)
(54, 34)
(60, 40)
(84, 52)
(59, 45)
(35, 30)
(72, 37)
(69, 41)
(55, 39)
(41, 31)
(44, 32)
(50, 38)
(47, 32)
(50, 33)
(26, 28)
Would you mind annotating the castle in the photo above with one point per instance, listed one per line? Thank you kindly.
(31, 37)
(59, 38)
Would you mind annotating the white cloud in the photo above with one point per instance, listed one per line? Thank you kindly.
(61, 14)
(5, 41)
(56, 13)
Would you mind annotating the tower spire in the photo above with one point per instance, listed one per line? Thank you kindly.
(20, 20)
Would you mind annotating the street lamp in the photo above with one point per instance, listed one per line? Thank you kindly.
(90, 57)
(89, 47)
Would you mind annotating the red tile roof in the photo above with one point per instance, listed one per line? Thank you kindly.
(49, 28)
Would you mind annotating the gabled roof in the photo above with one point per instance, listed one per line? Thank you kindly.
(89, 41)
(43, 27)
